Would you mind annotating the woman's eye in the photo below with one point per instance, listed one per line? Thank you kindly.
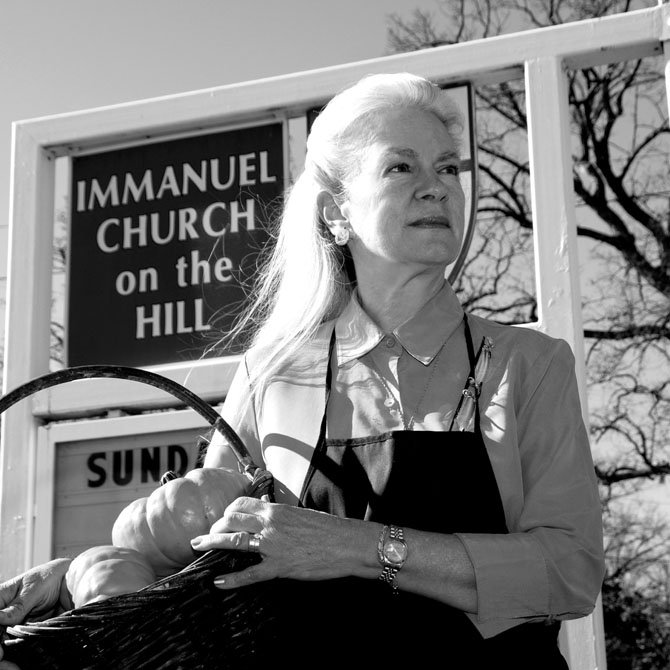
(400, 167)
(451, 169)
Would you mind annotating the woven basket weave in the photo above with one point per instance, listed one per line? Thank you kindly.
(179, 622)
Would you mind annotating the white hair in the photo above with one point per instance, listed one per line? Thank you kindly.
(308, 279)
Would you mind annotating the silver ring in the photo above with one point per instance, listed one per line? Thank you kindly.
(255, 543)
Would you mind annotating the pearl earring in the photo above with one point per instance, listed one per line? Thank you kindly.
(342, 235)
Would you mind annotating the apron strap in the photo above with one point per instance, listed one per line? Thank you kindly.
(329, 383)
(468, 343)
(321, 440)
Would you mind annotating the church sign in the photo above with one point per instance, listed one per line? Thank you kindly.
(162, 238)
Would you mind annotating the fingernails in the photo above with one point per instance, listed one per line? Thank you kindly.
(196, 542)
(220, 582)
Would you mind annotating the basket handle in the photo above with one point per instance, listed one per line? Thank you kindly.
(138, 375)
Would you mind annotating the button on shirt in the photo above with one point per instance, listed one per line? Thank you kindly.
(550, 564)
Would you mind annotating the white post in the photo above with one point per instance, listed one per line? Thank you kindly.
(27, 336)
(557, 272)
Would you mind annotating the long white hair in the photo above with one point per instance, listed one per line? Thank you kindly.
(308, 279)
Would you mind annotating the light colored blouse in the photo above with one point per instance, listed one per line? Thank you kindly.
(550, 564)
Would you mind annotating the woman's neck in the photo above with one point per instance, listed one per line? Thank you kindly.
(391, 301)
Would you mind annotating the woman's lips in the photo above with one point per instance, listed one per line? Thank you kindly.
(431, 222)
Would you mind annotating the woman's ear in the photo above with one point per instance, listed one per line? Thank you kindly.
(330, 211)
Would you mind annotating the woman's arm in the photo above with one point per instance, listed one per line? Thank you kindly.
(551, 563)
(305, 544)
(238, 411)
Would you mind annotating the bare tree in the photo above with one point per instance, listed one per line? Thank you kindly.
(620, 144)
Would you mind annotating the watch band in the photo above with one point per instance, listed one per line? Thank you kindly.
(395, 536)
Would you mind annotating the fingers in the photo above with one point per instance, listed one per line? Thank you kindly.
(236, 541)
(253, 575)
(237, 521)
(240, 521)
(9, 590)
(248, 505)
(293, 543)
(12, 614)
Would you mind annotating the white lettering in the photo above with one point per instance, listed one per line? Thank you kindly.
(81, 196)
(199, 268)
(155, 228)
(265, 177)
(187, 218)
(246, 170)
(145, 187)
(200, 325)
(174, 319)
(169, 183)
(207, 217)
(222, 269)
(126, 283)
(181, 266)
(148, 280)
(181, 319)
(190, 175)
(142, 321)
(130, 231)
(175, 181)
(100, 236)
(110, 193)
(216, 182)
(167, 319)
(236, 215)
(161, 228)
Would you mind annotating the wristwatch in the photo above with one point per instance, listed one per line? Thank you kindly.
(392, 554)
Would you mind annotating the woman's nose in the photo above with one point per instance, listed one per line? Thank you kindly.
(432, 187)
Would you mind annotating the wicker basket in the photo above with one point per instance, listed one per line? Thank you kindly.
(181, 621)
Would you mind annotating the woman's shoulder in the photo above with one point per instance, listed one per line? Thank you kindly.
(311, 355)
(520, 341)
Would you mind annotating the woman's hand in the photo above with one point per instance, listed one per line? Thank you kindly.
(34, 594)
(294, 543)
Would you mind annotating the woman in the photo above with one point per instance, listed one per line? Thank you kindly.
(435, 494)
(444, 454)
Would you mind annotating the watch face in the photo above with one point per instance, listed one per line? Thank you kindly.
(395, 551)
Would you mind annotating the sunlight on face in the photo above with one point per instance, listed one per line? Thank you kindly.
(405, 204)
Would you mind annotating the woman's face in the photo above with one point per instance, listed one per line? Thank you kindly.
(405, 204)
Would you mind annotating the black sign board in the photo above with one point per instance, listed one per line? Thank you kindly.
(162, 237)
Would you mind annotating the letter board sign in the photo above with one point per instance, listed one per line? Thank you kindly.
(95, 479)
(162, 237)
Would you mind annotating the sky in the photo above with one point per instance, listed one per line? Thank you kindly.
(67, 55)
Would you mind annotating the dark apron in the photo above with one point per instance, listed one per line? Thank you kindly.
(427, 480)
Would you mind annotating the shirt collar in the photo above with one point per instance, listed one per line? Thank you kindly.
(422, 336)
